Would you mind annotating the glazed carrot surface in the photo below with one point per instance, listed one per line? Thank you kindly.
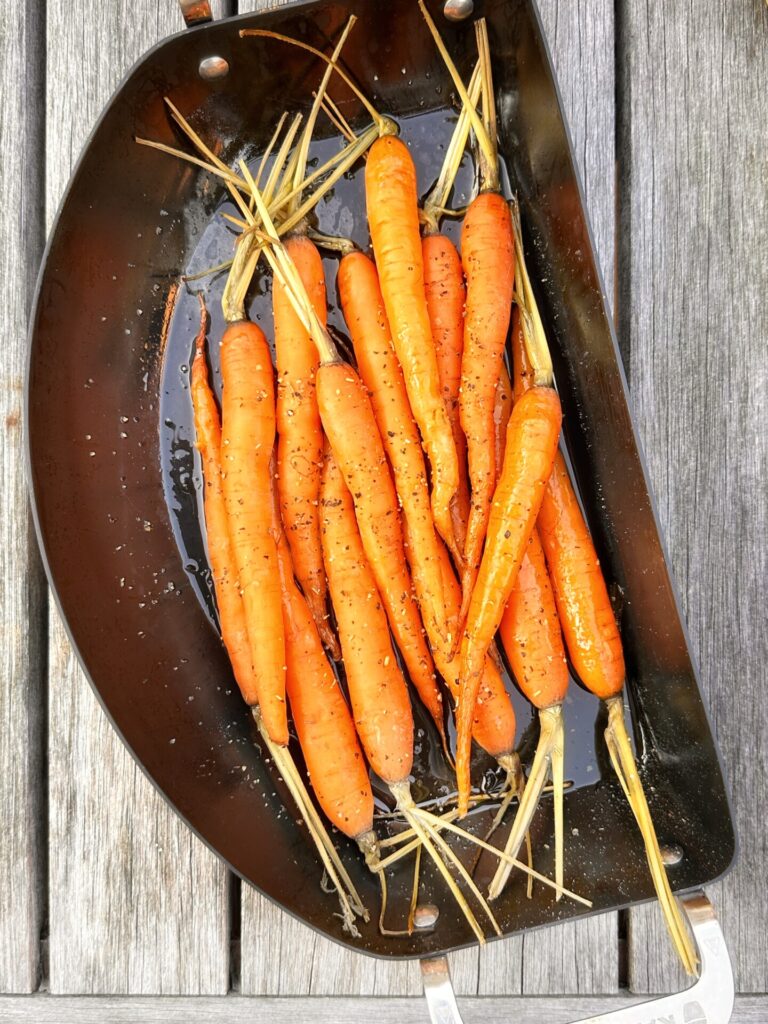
(377, 689)
(248, 437)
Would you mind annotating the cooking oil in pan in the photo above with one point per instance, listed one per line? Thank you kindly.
(340, 213)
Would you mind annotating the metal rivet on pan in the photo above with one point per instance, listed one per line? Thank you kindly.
(458, 10)
(213, 67)
(425, 916)
(671, 854)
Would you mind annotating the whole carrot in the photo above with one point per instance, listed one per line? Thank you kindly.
(300, 434)
(531, 444)
(248, 436)
(363, 307)
(234, 631)
(393, 218)
(326, 732)
(377, 689)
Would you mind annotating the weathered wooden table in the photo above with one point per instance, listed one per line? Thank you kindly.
(103, 891)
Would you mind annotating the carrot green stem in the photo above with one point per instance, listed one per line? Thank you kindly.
(534, 336)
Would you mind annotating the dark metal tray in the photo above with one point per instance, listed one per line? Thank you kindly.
(107, 412)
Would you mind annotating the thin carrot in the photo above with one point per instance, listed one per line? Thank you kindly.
(248, 435)
(234, 631)
(502, 410)
(531, 444)
(300, 434)
(393, 218)
(446, 295)
(363, 308)
(326, 732)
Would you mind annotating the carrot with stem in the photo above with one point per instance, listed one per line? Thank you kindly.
(487, 253)
(233, 621)
(350, 426)
(446, 298)
(379, 696)
(589, 626)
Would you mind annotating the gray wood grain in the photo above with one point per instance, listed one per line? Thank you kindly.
(695, 266)
(576, 957)
(22, 591)
(137, 904)
(43, 1009)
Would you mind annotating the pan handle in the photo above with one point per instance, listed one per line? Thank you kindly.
(197, 12)
(708, 1001)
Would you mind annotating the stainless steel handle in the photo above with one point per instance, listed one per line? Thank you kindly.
(708, 1001)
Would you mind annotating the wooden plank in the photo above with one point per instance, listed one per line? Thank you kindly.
(693, 290)
(576, 957)
(137, 904)
(43, 1009)
(22, 589)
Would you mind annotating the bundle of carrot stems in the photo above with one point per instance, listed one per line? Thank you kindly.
(417, 500)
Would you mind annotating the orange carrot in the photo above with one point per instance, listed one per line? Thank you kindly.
(446, 295)
(530, 631)
(531, 444)
(248, 436)
(488, 256)
(300, 435)
(234, 631)
(502, 410)
(326, 732)
(379, 370)
(393, 217)
(589, 624)
(350, 426)
(377, 689)
(522, 370)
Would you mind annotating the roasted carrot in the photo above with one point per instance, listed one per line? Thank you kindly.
(531, 444)
(248, 436)
(502, 410)
(326, 732)
(234, 631)
(530, 634)
(488, 258)
(232, 621)
(377, 689)
(393, 218)
(363, 307)
(300, 434)
(446, 295)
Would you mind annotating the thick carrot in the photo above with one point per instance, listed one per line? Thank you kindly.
(377, 689)
(586, 614)
(248, 436)
(531, 444)
(488, 256)
(393, 217)
(530, 631)
(502, 410)
(234, 631)
(446, 295)
(380, 371)
(300, 434)
(354, 437)
(326, 732)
